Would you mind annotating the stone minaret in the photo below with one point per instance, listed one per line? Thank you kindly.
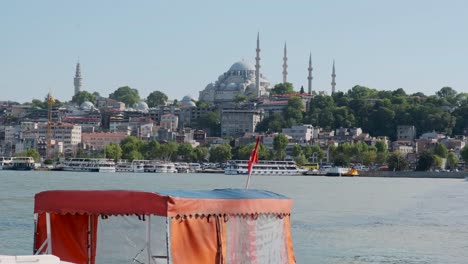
(77, 81)
(309, 78)
(257, 65)
(285, 64)
(333, 75)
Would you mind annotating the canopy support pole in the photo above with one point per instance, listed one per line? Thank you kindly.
(148, 240)
(90, 238)
(49, 235)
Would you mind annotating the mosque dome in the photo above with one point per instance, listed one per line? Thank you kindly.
(241, 66)
(141, 106)
(187, 101)
(87, 105)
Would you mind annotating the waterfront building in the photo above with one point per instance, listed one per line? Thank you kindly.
(67, 133)
(97, 141)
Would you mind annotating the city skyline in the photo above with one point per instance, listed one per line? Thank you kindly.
(150, 46)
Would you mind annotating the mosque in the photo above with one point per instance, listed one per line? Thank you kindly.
(245, 79)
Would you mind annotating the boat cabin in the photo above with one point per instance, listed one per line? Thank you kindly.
(119, 226)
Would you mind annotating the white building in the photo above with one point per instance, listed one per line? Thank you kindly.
(169, 121)
(69, 134)
(301, 133)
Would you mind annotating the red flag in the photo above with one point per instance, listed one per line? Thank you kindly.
(253, 156)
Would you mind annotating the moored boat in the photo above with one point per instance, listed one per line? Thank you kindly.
(5, 163)
(89, 165)
(22, 163)
(264, 167)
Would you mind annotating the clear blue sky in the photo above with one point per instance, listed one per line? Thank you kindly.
(179, 47)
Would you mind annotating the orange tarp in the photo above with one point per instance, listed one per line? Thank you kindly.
(69, 236)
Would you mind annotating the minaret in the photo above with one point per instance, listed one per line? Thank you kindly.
(285, 64)
(333, 75)
(257, 65)
(309, 78)
(77, 80)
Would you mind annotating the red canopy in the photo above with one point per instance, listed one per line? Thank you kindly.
(119, 202)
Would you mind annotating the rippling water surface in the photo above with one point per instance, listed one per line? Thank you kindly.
(335, 220)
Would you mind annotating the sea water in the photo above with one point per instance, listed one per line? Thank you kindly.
(334, 219)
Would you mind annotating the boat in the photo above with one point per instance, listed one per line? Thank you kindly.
(207, 226)
(182, 167)
(264, 167)
(313, 172)
(134, 166)
(160, 167)
(22, 163)
(342, 171)
(89, 165)
(5, 163)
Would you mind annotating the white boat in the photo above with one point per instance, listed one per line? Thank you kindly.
(264, 167)
(194, 167)
(160, 167)
(182, 167)
(22, 163)
(134, 166)
(89, 165)
(5, 162)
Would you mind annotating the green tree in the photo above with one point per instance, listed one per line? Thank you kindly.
(293, 112)
(200, 153)
(300, 159)
(441, 151)
(130, 146)
(168, 151)
(220, 153)
(452, 161)
(283, 88)
(446, 92)
(156, 98)
(151, 150)
(245, 151)
(210, 121)
(126, 94)
(381, 146)
(30, 152)
(369, 157)
(341, 159)
(280, 142)
(464, 153)
(185, 150)
(296, 151)
(82, 97)
(113, 151)
(397, 162)
(426, 161)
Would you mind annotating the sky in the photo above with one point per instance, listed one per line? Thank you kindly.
(178, 47)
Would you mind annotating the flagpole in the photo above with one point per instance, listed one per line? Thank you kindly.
(253, 159)
(248, 180)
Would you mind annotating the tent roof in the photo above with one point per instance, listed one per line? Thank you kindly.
(172, 203)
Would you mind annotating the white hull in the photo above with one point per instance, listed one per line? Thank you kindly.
(286, 168)
(89, 165)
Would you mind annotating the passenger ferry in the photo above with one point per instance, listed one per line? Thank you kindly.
(5, 163)
(161, 167)
(134, 166)
(89, 165)
(22, 163)
(264, 167)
